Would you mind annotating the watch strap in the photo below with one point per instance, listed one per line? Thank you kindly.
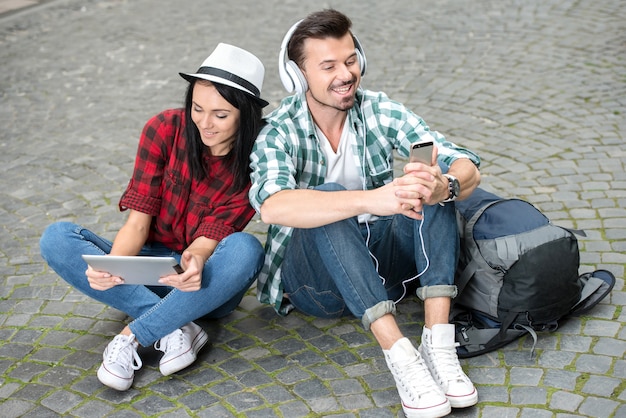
(451, 190)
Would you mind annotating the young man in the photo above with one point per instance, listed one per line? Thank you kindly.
(345, 237)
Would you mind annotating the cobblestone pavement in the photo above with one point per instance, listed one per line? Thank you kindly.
(537, 88)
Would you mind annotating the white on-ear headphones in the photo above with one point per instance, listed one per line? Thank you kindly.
(291, 76)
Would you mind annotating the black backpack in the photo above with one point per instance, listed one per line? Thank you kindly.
(517, 274)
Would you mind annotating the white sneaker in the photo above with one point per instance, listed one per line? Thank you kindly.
(181, 348)
(421, 396)
(438, 348)
(120, 360)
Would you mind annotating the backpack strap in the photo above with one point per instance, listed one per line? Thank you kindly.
(532, 333)
(596, 285)
(463, 279)
(473, 341)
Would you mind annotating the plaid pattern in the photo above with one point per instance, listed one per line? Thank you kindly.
(287, 155)
(182, 208)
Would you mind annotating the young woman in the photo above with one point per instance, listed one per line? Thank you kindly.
(187, 198)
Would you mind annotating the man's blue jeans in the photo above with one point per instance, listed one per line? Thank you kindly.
(158, 310)
(335, 270)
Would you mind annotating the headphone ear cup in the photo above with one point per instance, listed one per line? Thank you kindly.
(362, 63)
(285, 78)
(298, 80)
(360, 54)
(290, 75)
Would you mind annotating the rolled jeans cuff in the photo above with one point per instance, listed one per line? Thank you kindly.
(378, 311)
(436, 291)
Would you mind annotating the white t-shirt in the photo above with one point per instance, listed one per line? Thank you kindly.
(341, 168)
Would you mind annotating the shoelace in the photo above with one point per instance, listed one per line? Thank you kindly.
(173, 341)
(447, 363)
(123, 352)
(415, 375)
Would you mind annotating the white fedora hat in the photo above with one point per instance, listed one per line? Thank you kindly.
(234, 67)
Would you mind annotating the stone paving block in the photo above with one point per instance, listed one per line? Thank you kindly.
(621, 411)
(601, 386)
(500, 412)
(61, 401)
(40, 412)
(307, 358)
(26, 336)
(260, 413)
(535, 413)
(610, 347)
(7, 389)
(525, 376)
(59, 376)
(49, 354)
(215, 411)
(528, 395)
(300, 409)
(16, 408)
(45, 321)
(598, 407)
(92, 409)
(348, 401)
(377, 413)
(322, 405)
(89, 385)
(557, 358)
(197, 400)
(565, 401)
(488, 375)
(593, 364)
(601, 328)
(575, 343)
(152, 405)
(387, 398)
(244, 401)
(89, 342)
(561, 379)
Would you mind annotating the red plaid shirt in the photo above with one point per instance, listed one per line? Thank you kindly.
(183, 209)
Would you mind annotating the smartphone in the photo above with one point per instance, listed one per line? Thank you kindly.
(422, 152)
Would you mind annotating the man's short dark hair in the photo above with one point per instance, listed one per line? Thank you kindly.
(327, 23)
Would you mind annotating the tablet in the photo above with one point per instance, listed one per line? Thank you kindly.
(135, 269)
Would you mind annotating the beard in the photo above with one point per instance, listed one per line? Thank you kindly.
(346, 103)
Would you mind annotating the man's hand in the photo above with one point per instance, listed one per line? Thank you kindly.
(421, 184)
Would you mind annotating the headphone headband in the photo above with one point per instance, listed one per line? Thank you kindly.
(290, 74)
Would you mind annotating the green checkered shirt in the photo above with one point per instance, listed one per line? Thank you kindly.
(287, 155)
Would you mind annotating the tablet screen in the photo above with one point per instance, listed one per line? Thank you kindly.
(135, 269)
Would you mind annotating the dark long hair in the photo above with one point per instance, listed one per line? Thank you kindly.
(250, 123)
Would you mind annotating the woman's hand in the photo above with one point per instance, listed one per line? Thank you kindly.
(191, 279)
(128, 241)
(101, 280)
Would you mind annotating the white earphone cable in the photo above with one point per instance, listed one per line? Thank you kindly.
(367, 226)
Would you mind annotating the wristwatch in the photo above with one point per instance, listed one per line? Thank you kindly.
(454, 188)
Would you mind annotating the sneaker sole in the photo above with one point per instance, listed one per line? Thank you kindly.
(113, 381)
(176, 364)
(433, 412)
(463, 401)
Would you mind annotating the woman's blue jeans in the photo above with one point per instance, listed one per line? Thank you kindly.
(158, 310)
(341, 268)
